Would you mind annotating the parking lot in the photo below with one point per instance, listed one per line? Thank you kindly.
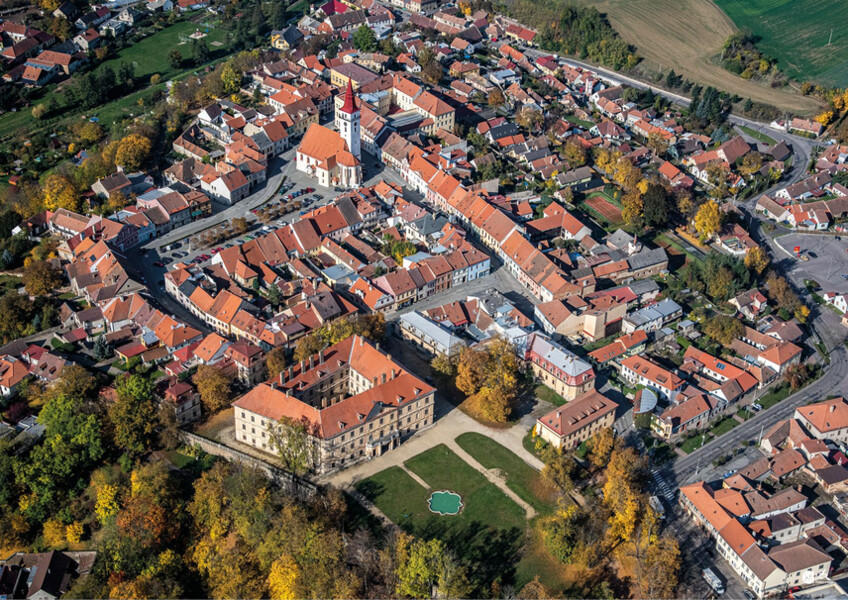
(828, 259)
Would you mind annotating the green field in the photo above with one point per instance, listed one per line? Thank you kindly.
(149, 56)
(487, 534)
(796, 33)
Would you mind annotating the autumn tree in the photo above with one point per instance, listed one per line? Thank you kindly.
(574, 153)
(214, 388)
(41, 278)
(632, 206)
(723, 329)
(240, 225)
(561, 531)
(559, 469)
(59, 192)
(657, 567)
(720, 284)
(601, 445)
(133, 152)
(622, 492)
(708, 220)
(443, 364)
(284, 580)
(756, 260)
(429, 565)
(496, 98)
(782, 293)
(489, 376)
(276, 361)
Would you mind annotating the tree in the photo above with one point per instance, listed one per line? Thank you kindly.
(133, 152)
(530, 118)
(708, 220)
(117, 200)
(534, 590)
(41, 278)
(601, 445)
(560, 532)
(295, 447)
(781, 292)
(558, 469)
(443, 364)
(656, 205)
(230, 79)
(240, 225)
(364, 39)
(59, 192)
(496, 98)
(175, 59)
(574, 153)
(797, 376)
(102, 349)
(200, 52)
(723, 329)
(214, 388)
(632, 206)
(756, 260)
(419, 574)
(133, 415)
(39, 111)
(276, 361)
(284, 579)
(657, 568)
(54, 533)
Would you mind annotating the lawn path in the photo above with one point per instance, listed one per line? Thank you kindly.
(492, 477)
(417, 479)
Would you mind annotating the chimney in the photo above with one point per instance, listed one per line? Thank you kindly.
(290, 372)
(388, 356)
(302, 366)
(832, 407)
(383, 378)
(558, 414)
(311, 362)
(273, 385)
(320, 356)
(377, 345)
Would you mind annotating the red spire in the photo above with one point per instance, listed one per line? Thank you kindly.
(349, 100)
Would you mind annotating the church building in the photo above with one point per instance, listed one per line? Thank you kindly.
(333, 157)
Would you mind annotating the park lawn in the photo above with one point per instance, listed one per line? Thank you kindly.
(487, 535)
(758, 135)
(545, 393)
(520, 477)
(178, 459)
(798, 34)
(399, 496)
(579, 122)
(723, 426)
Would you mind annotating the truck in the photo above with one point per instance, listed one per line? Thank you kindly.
(713, 580)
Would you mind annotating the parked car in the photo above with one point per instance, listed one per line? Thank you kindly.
(749, 595)
(812, 254)
(167, 260)
(756, 407)
(158, 263)
(845, 276)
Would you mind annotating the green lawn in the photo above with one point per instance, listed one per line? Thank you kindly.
(723, 426)
(149, 56)
(693, 443)
(579, 122)
(776, 395)
(758, 135)
(487, 535)
(798, 33)
(178, 459)
(545, 393)
(520, 477)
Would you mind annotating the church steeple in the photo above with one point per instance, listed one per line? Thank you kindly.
(348, 118)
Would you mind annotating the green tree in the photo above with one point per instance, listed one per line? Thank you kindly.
(133, 415)
(175, 58)
(295, 446)
(200, 51)
(656, 205)
(364, 39)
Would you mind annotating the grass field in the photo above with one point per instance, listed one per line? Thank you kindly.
(149, 56)
(545, 393)
(489, 532)
(520, 477)
(758, 135)
(796, 33)
(687, 35)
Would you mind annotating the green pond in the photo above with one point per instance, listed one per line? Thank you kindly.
(445, 503)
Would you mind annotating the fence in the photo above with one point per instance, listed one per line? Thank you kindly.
(276, 474)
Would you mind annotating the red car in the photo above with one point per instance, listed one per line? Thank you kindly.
(214, 251)
(158, 264)
(309, 190)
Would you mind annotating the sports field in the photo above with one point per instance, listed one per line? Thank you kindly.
(687, 35)
(606, 209)
(796, 33)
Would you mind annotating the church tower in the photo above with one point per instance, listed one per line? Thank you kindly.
(349, 121)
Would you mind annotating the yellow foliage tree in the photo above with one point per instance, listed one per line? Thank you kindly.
(133, 151)
(825, 117)
(73, 532)
(284, 579)
(632, 206)
(59, 192)
(107, 502)
(54, 533)
(708, 220)
(757, 260)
